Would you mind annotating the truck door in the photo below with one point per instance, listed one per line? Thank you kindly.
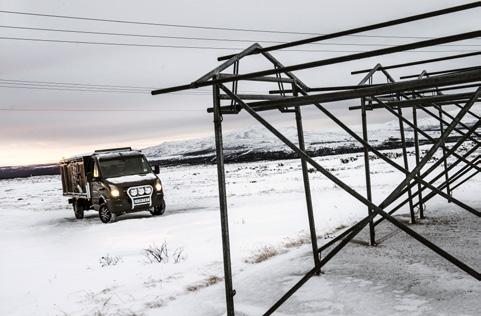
(94, 185)
(96, 188)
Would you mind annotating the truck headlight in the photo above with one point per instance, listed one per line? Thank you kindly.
(158, 186)
(114, 192)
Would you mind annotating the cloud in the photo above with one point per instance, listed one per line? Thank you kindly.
(54, 133)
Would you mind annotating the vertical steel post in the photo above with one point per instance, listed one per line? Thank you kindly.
(229, 291)
(406, 164)
(441, 128)
(307, 188)
(372, 234)
(418, 158)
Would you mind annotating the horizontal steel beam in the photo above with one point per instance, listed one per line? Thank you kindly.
(420, 62)
(430, 73)
(444, 80)
(267, 79)
(321, 89)
(447, 103)
(366, 28)
(424, 101)
(458, 87)
(253, 97)
(325, 62)
(357, 56)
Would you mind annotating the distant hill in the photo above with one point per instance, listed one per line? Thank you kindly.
(257, 143)
(28, 171)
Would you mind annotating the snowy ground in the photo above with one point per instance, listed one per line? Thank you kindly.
(51, 264)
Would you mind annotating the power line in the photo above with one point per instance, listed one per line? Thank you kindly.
(197, 26)
(58, 86)
(80, 89)
(204, 38)
(86, 86)
(155, 45)
(67, 88)
(76, 84)
(212, 48)
(146, 88)
(96, 110)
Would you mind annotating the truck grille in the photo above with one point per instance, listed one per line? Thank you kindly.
(140, 195)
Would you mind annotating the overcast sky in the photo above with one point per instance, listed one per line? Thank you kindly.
(33, 130)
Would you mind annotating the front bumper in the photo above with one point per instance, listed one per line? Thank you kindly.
(124, 204)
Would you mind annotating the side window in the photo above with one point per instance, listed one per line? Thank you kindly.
(89, 167)
(96, 170)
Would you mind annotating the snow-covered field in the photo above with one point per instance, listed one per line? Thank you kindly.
(52, 264)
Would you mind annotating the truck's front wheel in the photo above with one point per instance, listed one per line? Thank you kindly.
(158, 210)
(78, 209)
(106, 215)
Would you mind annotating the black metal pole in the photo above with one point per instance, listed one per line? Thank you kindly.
(372, 233)
(460, 131)
(307, 190)
(460, 173)
(392, 163)
(377, 153)
(406, 163)
(441, 129)
(353, 231)
(418, 157)
(229, 291)
(393, 195)
(462, 182)
(440, 187)
(472, 99)
(429, 138)
(376, 209)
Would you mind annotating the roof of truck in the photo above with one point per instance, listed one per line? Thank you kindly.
(115, 154)
(106, 154)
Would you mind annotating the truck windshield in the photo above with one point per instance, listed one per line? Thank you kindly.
(125, 166)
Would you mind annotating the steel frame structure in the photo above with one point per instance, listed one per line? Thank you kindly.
(423, 92)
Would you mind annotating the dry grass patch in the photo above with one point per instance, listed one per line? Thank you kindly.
(297, 242)
(263, 254)
(211, 280)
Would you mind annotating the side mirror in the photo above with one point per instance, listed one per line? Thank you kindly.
(156, 169)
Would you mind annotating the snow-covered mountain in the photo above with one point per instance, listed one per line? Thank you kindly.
(252, 139)
(257, 143)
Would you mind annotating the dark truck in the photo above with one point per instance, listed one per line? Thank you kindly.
(112, 182)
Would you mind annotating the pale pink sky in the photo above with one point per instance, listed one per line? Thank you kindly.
(31, 136)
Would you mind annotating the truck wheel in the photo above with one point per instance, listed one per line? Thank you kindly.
(106, 215)
(78, 209)
(159, 210)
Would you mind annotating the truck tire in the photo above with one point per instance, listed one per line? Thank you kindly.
(106, 215)
(159, 210)
(78, 209)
